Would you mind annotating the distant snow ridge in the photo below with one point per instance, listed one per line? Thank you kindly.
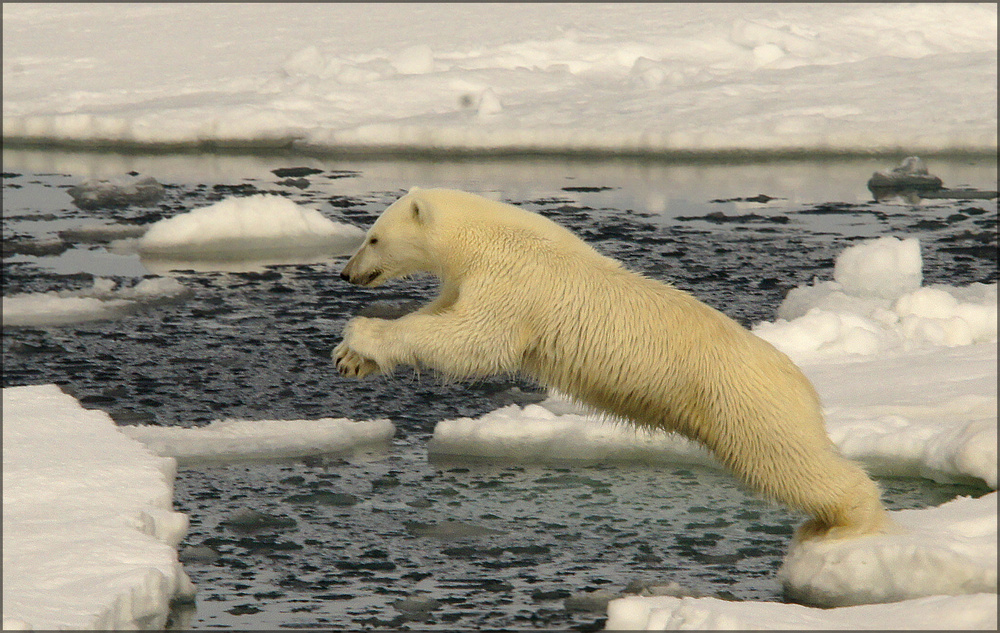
(546, 77)
(248, 228)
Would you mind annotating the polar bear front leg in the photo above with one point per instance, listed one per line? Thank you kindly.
(451, 343)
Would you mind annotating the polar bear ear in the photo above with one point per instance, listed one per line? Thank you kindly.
(419, 211)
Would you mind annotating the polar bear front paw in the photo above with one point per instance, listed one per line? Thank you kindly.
(353, 365)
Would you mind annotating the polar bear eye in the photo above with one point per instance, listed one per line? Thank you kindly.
(373, 240)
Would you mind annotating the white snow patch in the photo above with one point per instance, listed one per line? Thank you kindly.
(885, 268)
(263, 439)
(89, 534)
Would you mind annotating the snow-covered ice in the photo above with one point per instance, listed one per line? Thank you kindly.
(950, 549)
(253, 228)
(263, 439)
(103, 300)
(89, 534)
(633, 78)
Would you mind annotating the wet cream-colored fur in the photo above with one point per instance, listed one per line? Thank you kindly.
(519, 293)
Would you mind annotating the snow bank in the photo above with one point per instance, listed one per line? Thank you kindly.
(633, 78)
(712, 614)
(99, 302)
(263, 439)
(250, 228)
(876, 304)
(89, 535)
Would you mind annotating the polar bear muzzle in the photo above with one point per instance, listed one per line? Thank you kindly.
(359, 279)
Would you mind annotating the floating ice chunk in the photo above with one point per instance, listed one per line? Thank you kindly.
(251, 228)
(40, 247)
(929, 442)
(929, 413)
(536, 433)
(450, 529)
(950, 549)
(89, 534)
(416, 605)
(911, 174)
(100, 302)
(262, 439)
(121, 192)
(712, 614)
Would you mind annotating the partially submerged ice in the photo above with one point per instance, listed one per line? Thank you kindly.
(116, 193)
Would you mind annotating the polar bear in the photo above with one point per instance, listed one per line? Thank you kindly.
(520, 293)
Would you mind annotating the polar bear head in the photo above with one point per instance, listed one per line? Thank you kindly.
(443, 231)
(396, 245)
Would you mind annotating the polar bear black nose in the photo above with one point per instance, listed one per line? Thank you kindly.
(345, 276)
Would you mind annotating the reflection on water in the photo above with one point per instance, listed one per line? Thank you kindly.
(660, 188)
